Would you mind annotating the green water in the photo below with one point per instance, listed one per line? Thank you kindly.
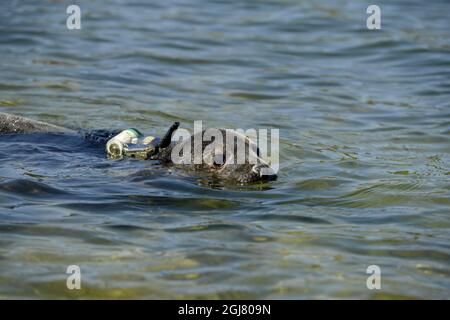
(364, 119)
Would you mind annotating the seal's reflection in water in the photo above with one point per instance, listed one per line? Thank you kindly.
(200, 178)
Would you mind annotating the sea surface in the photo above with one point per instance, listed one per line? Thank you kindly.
(364, 120)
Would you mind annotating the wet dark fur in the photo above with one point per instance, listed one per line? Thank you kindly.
(238, 173)
(16, 124)
(234, 173)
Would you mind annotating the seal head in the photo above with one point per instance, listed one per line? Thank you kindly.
(224, 154)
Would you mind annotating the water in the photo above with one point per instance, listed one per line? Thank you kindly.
(364, 125)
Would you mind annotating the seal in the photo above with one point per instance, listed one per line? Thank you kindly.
(16, 124)
(215, 160)
(220, 161)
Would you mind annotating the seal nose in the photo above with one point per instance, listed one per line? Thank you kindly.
(264, 171)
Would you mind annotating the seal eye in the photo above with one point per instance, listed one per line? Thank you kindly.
(219, 160)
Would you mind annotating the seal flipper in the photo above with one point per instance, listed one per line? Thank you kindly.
(164, 147)
(165, 141)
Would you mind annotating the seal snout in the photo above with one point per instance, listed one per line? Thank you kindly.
(264, 171)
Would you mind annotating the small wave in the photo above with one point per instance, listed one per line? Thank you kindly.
(30, 188)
